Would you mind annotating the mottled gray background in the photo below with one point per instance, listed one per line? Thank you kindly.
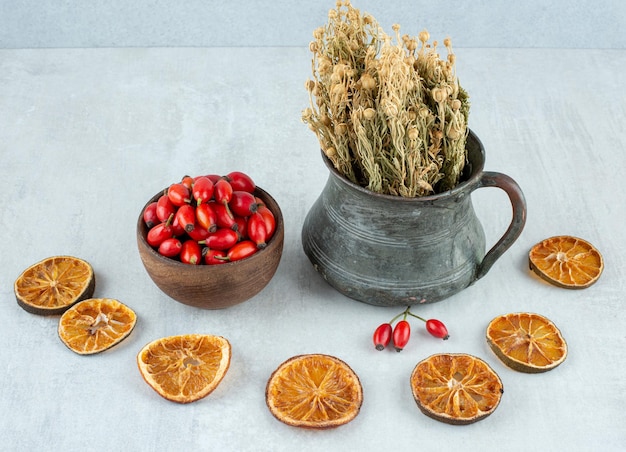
(211, 23)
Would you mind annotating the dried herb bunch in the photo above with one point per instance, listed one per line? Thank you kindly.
(389, 113)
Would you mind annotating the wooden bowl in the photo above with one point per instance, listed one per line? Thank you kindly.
(214, 286)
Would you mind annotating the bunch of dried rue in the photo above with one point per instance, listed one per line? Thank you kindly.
(389, 114)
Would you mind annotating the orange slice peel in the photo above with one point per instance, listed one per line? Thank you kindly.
(456, 389)
(94, 325)
(566, 261)
(526, 342)
(53, 285)
(314, 391)
(185, 368)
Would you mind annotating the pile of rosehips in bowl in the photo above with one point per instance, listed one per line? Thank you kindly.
(209, 219)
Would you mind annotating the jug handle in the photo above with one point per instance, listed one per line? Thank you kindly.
(518, 202)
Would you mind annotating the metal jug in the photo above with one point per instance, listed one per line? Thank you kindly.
(388, 250)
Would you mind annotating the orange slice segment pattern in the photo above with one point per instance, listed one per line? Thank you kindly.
(527, 342)
(314, 391)
(51, 286)
(96, 324)
(185, 368)
(566, 261)
(456, 388)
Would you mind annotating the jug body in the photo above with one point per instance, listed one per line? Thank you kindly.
(388, 250)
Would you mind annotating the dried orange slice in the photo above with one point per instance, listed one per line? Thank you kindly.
(526, 342)
(185, 368)
(566, 261)
(51, 286)
(456, 388)
(314, 391)
(96, 324)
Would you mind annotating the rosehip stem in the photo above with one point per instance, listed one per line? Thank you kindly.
(417, 317)
(404, 314)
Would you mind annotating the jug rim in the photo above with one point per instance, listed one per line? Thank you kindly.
(470, 176)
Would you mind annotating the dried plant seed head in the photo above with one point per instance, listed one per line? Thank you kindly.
(367, 81)
(454, 133)
(341, 128)
(369, 114)
(425, 186)
(438, 95)
(318, 33)
(324, 66)
(351, 13)
(423, 36)
(337, 93)
(390, 109)
(339, 71)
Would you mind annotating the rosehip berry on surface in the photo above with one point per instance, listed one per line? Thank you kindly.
(382, 336)
(437, 329)
(401, 335)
